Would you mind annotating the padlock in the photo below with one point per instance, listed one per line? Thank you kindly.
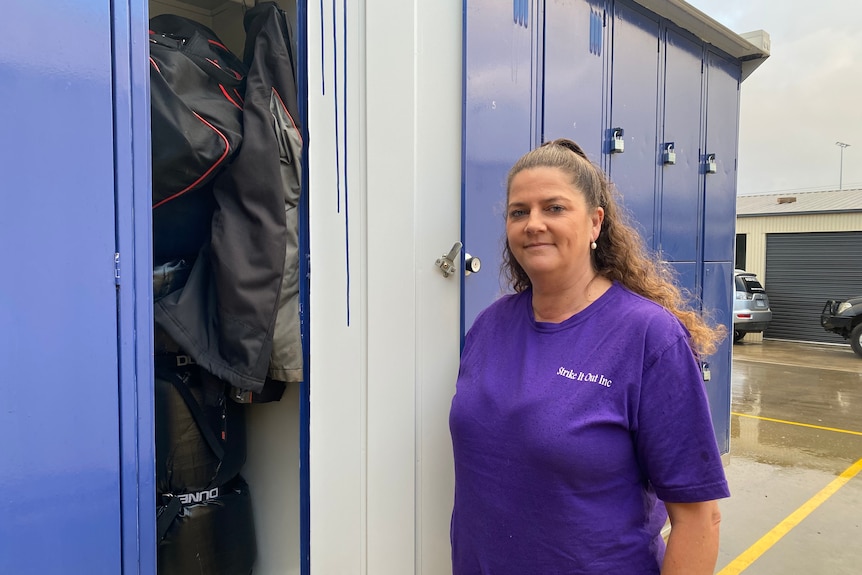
(711, 166)
(669, 154)
(618, 145)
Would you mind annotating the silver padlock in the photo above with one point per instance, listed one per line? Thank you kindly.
(711, 166)
(669, 154)
(618, 145)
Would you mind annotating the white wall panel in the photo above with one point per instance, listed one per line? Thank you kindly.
(438, 201)
(337, 344)
(391, 73)
(381, 463)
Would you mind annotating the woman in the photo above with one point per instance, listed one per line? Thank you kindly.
(580, 420)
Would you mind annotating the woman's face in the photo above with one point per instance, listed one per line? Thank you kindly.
(549, 225)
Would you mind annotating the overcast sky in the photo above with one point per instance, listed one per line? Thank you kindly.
(804, 98)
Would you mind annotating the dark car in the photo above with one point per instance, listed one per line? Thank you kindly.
(844, 317)
(751, 313)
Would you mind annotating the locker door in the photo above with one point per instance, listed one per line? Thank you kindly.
(718, 300)
(59, 418)
(722, 119)
(679, 235)
(686, 276)
(634, 109)
(574, 74)
(499, 124)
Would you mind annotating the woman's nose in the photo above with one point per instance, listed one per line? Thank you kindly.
(535, 222)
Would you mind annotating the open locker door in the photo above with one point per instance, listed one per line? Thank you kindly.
(59, 363)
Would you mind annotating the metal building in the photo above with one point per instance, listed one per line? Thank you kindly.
(806, 247)
(414, 111)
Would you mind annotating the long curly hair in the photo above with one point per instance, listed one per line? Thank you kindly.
(620, 253)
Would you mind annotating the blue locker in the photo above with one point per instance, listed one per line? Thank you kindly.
(499, 120)
(574, 74)
(722, 121)
(679, 230)
(718, 301)
(634, 109)
(719, 217)
(65, 455)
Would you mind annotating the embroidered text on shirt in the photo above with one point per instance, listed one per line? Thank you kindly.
(581, 376)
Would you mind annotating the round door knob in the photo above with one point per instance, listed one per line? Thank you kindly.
(471, 264)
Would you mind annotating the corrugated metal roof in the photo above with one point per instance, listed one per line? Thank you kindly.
(835, 201)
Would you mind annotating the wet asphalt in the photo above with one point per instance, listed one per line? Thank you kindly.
(794, 463)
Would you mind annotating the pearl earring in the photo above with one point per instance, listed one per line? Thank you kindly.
(593, 246)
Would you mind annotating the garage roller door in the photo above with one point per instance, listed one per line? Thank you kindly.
(803, 271)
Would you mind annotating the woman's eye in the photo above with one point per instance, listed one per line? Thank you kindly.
(556, 208)
(516, 213)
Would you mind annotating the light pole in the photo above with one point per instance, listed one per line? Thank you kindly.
(842, 145)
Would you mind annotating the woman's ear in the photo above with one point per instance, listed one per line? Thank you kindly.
(598, 217)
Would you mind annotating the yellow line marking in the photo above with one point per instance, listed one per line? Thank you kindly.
(797, 423)
(754, 552)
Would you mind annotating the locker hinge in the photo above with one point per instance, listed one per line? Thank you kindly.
(116, 268)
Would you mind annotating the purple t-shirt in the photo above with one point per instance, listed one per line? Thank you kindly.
(567, 436)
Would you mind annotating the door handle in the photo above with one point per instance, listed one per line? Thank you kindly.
(446, 262)
(447, 265)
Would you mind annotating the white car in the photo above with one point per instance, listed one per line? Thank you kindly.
(751, 313)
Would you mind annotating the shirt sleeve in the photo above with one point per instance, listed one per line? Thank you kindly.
(674, 436)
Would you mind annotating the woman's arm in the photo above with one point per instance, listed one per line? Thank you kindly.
(692, 547)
